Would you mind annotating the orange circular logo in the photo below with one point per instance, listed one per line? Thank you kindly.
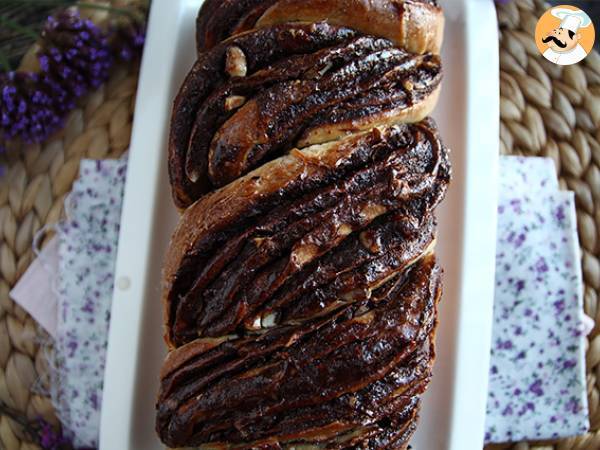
(565, 35)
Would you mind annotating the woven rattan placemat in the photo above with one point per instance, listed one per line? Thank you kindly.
(545, 110)
(32, 192)
(549, 110)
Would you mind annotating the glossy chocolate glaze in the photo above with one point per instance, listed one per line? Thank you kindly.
(279, 244)
(213, 113)
(261, 48)
(234, 124)
(271, 120)
(357, 371)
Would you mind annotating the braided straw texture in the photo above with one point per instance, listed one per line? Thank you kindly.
(554, 111)
(32, 193)
(545, 110)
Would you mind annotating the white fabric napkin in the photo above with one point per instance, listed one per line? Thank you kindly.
(86, 260)
(35, 289)
(537, 374)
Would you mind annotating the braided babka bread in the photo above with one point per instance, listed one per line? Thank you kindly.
(301, 284)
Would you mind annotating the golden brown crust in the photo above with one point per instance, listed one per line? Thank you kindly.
(423, 27)
(415, 26)
(332, 132)
(176, 359)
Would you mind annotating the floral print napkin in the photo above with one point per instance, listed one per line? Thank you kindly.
(537, 374)
(87, 253)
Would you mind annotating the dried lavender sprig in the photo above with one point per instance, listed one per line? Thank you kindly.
(40, 431)
(53, 439)
(33, 106)
(5, 21)
(75, 52)
(75, 56)
(127, 40)
(4, 62)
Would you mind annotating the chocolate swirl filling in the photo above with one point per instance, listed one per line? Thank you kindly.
(318, 240)
(328, 84)
(348, 381)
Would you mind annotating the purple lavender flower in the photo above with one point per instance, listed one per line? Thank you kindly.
(504, 345)
(49, 438)
(559, 306)
(127, 40)
(573, 406)
(569, 364)
(32, 106)
(75, 57)
(520, 240)
(520, 285)
(516, 205)
(75, 53)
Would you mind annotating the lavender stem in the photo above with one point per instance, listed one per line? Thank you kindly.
(4, 62)
(17, 27)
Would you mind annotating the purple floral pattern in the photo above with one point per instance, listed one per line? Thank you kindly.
(537, 375)
(87, 252)
(534, 174)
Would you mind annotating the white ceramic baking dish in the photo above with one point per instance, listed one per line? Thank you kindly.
(453, 411)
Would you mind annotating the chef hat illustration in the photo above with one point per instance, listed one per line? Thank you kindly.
(571, 20)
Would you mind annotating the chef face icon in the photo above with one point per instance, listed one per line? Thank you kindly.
(565, 35)
(561, 40)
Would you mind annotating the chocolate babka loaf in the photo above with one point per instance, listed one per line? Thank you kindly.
(301, 284)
